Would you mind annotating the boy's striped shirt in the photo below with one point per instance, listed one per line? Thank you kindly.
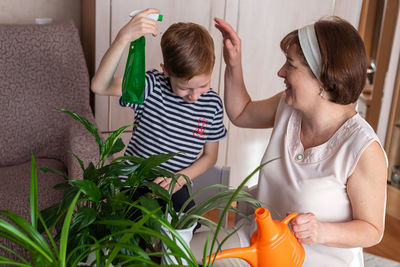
(165, 123)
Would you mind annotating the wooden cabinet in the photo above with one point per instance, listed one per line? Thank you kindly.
(392, 148)
(380, 29)
(261, 25)
(377, 28)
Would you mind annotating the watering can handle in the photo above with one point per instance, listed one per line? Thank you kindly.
(289, 218)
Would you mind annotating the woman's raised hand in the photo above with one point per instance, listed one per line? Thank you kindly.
(139, 25)
(232, 43)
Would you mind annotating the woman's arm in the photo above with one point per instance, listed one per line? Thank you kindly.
(104, 82)
(207, 160)
(241, 110)
(366, 189)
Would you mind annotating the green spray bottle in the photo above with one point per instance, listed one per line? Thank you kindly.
(133, 82)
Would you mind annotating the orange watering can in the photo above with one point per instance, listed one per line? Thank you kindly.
(273, 244)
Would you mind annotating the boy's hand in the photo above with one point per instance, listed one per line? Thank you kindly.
(139, 25)
(232, 43)
(165, 183)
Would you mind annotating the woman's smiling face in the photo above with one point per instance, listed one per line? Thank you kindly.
(301, 85)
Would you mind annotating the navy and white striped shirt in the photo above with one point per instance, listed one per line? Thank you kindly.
(165, 123)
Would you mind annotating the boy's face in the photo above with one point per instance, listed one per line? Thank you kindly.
(191, 90)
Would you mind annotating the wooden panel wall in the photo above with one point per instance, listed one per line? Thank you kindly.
(261, 25)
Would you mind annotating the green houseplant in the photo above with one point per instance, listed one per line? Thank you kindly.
(104, 196)
(112, 202)
(27, 236)
(45, 251)
(96, 210)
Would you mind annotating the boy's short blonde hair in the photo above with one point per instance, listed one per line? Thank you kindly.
(188, 50)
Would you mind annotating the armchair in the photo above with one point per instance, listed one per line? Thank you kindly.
(42, 69)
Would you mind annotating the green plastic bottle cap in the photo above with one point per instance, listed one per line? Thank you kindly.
(160, 17)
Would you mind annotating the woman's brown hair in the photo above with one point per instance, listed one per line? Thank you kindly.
(344, 61)
(188, 50)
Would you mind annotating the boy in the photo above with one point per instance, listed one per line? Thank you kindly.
(180, 112)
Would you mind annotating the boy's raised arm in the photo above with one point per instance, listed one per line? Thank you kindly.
(104, 82)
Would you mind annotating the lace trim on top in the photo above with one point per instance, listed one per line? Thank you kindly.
(320, 152)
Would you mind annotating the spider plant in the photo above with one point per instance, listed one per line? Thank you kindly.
(209, 247)
(43, 250)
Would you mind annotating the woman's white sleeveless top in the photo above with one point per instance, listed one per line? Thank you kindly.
(313, 180)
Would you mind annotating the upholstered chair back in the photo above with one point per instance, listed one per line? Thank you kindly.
(42, 69)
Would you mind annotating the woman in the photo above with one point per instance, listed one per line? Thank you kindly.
(332, 168)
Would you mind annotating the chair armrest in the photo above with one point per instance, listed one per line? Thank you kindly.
(81, 143)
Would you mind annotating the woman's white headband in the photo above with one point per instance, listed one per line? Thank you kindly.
(309, 46)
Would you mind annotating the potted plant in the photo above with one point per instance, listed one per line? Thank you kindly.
(96, 210)
(45, 251)
(104, 196)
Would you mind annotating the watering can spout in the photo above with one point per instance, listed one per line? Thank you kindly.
(272, 244)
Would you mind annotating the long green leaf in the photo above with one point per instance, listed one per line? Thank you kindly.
(4, 261)
(118, 147)
(158, 190)
(111, 141)
(128, 158)
(89, 188)
(137, 227)
(45, 170)
(84, 216)
(13, 253)
(28, 229)
(186, 253)
(49, 236)
(200, 191)
(116, 169)
(91, 173)
(228, 205)
(89, 126)
(34, 194)
(219, 200)
(65, 230)
(23, 240)
(128, 235)
(79, 161)
(154, 161)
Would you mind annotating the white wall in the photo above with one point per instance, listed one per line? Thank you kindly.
(242, 150)
(25, 11)
(262, 58)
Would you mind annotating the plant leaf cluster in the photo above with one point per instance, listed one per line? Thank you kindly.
(94, 216)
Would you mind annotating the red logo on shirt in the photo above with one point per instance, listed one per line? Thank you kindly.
(200, 131)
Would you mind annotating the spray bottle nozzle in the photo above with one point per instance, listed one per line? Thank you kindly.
(156, 17)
